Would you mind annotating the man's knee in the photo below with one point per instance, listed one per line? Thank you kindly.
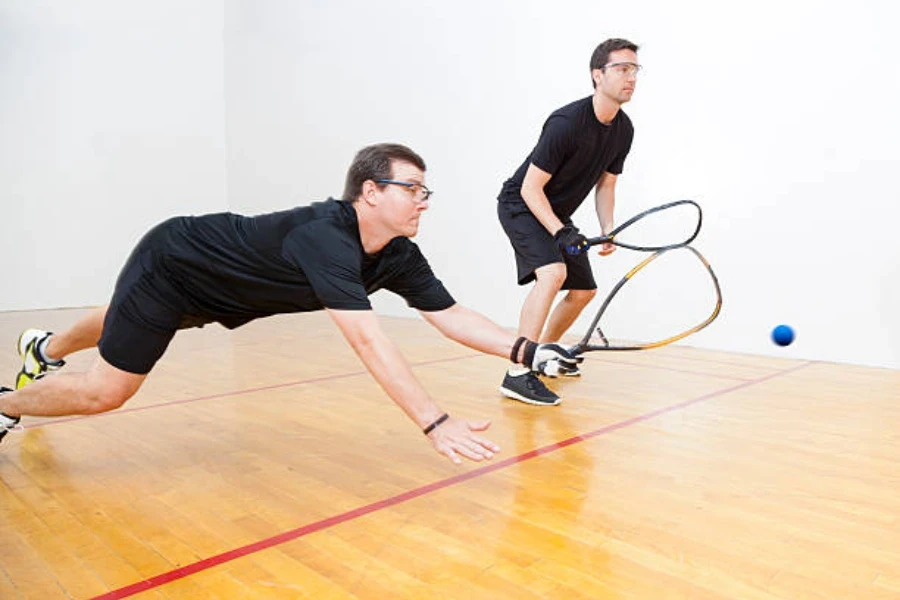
(107, 388)
(552, 275)
(104, 399)
(581, 297)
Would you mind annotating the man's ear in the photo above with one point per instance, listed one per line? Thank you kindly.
(596, 75)
(369, 188)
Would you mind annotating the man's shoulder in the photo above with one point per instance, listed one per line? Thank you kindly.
(574, 111)
(624, 120)
(333, 209)
(402, 247)
(318, 229)
(328, 215)
(572, 119)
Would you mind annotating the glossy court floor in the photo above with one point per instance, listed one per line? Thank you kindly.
(265, 463)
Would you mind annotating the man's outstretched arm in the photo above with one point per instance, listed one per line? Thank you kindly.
(451, 437)
(472, 329)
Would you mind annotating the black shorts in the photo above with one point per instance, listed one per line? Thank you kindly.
(535, 247)
(145, 311)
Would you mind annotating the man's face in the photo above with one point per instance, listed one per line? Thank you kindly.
(618, 78)
(403, 202)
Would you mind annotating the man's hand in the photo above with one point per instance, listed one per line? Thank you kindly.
(606, 249)
(570, 240)
(455, 437)
(545, 352)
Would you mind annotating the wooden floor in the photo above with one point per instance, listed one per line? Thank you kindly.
(265, 463)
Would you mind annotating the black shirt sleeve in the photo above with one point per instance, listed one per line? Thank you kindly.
(618, 163)
(555, 144)
(623, 142)
(330, 259)
(416, 283)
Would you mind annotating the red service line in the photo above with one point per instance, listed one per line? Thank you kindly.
(317, 380)
(232, 393)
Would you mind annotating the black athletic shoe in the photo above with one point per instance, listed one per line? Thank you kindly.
(7, 423)
(528, 388)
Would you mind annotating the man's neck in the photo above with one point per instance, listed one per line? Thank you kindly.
(605, 109)
(373, 237)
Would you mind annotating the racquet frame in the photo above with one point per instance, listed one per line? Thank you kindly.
(656, 251)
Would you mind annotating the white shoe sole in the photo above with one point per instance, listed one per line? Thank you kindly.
(515, 396)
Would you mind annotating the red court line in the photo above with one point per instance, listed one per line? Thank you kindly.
(329, 378)
(233, 393)
(287, 536)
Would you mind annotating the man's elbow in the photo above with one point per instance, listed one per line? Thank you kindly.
(362, 340)
(530, 190)
(360, 335)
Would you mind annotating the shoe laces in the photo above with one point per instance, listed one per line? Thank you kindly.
(534, 384)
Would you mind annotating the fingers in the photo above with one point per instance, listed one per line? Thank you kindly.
(454, 439)
(570, 360)
(488, 446)
(475, 451)
(468, 449)
(485, 443)
(607, 249)
(449, 453)
(553, 352)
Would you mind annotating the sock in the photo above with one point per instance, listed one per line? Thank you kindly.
(42, 350)
(515, 370)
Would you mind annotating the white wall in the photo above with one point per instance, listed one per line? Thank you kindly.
(111, 118)
(780, 118)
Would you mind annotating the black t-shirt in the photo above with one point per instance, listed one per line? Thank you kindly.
(576, 149)
(233, 269)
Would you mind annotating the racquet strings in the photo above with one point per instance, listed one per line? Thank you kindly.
(672, 294)
(662, 228)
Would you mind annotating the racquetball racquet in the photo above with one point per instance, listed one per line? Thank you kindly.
(672, 225)
(666, 232)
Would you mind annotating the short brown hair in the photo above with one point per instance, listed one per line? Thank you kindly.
(601, 53)
(375, 162)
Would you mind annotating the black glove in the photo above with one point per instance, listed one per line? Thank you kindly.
(570, 240)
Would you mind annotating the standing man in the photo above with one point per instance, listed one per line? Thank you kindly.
(231, 269)
(583, 146)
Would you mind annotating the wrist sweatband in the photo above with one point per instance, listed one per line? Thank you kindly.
(514, 355)
(439, 420)
(530, 349)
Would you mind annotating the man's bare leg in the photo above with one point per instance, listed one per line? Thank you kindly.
(549, 280)
(565, 313)
(520, 383)
(101, 388)
(85, 333)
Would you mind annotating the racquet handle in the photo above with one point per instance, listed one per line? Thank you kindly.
(599, 240)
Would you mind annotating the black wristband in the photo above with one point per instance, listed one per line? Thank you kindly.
(530, 349)
(513, 356)
(439, 420)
